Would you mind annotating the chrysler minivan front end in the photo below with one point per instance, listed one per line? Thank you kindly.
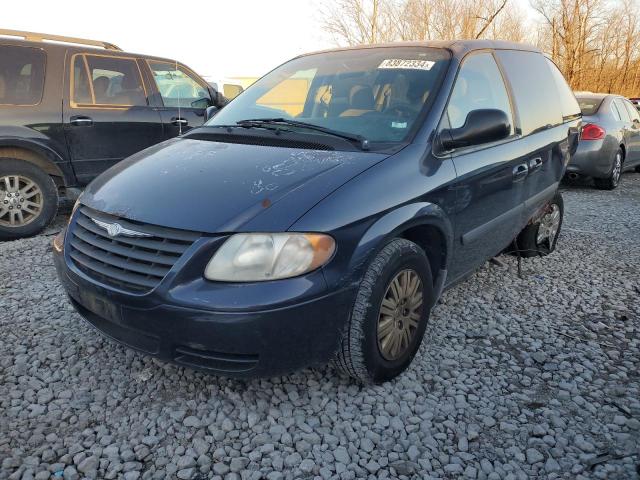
(188, 250)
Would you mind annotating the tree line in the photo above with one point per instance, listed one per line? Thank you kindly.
(593, 42)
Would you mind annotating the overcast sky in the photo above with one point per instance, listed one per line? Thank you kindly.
(220, 39)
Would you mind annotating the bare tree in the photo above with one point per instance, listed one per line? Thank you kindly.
(596, 43)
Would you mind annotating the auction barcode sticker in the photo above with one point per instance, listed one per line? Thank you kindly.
(407, 64)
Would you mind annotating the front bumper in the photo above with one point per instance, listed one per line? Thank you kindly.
(179, 322)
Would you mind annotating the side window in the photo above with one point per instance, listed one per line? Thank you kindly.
(107, 81)
(568, 102)
(633, 113)
(623, 111)
(534, 89)
(21, 75)
(615, 112)
(479, 85)
(177, 87)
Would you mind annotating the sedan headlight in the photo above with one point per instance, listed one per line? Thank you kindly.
(255, 257)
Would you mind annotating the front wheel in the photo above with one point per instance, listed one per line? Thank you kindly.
(612, 181)
(390, 314)
(28, 199)
(540, 238)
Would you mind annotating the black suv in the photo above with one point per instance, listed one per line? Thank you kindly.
(292, 229)
(71, 109)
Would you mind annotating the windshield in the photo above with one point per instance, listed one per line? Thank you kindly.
(589, 105)
(376, 93)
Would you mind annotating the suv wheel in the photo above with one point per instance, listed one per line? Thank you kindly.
(28, 199)
(390, 314)
(540, 238)
(613, 179)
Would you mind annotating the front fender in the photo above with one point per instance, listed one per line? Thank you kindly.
(397, 221)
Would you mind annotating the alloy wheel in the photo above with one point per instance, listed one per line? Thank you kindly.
(549, 226)
(400, 314)
(21, 200)
(617, 169)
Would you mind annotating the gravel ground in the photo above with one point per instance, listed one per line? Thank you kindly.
(532, 377)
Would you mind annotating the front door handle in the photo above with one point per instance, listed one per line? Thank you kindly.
(520, 171)
(535, 163)
(180, 121)
(81, 121)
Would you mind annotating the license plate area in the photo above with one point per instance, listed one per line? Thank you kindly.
(99, 306)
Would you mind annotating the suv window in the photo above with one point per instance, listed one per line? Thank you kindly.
(621, 110)
(633, 113)
(178, 87)
(479, 85)
(21, 75)
(538, 107)
(107, 81)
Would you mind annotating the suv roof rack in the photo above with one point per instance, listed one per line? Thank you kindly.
(42, 37)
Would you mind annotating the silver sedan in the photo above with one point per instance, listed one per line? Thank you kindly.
(610, 139)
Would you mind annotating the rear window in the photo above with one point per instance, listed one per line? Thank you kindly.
(589, 106)
(21, 75)
(534, 89)
(568, 103)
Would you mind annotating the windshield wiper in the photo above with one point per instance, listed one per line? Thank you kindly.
(249, 125)
(359, 140)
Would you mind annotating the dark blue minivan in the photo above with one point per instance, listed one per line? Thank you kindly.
(320, 214)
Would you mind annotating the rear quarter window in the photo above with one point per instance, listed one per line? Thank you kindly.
(534, 89)
(21, 75)
(568, 102)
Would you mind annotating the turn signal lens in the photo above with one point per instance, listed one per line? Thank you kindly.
(591, 131)
(257, 257)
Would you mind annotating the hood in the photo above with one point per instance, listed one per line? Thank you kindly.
(216, 187)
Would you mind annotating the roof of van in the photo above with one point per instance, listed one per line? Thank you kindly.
(457, 47)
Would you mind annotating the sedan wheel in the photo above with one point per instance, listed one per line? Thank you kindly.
(612, 181)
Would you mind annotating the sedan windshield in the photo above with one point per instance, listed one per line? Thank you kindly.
(376, 94)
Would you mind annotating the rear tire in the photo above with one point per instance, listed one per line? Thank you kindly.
(390, 314)
(612, 181)
(540, 238)
(637, 169)
(28, 199)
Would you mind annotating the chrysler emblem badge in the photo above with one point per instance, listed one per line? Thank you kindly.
(115, 229)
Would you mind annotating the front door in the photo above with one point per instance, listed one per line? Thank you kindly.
(184, 95)
(107, 116)
(490, 177)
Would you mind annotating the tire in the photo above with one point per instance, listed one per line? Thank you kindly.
(528, 242)
(637, 169)
(23, 185)
(362, 352)
(612, 181)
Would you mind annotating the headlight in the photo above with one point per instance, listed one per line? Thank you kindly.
(255, 257)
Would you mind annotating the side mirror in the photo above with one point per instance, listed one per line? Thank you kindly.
(210, 112)
(201, 103)
(481, 126)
